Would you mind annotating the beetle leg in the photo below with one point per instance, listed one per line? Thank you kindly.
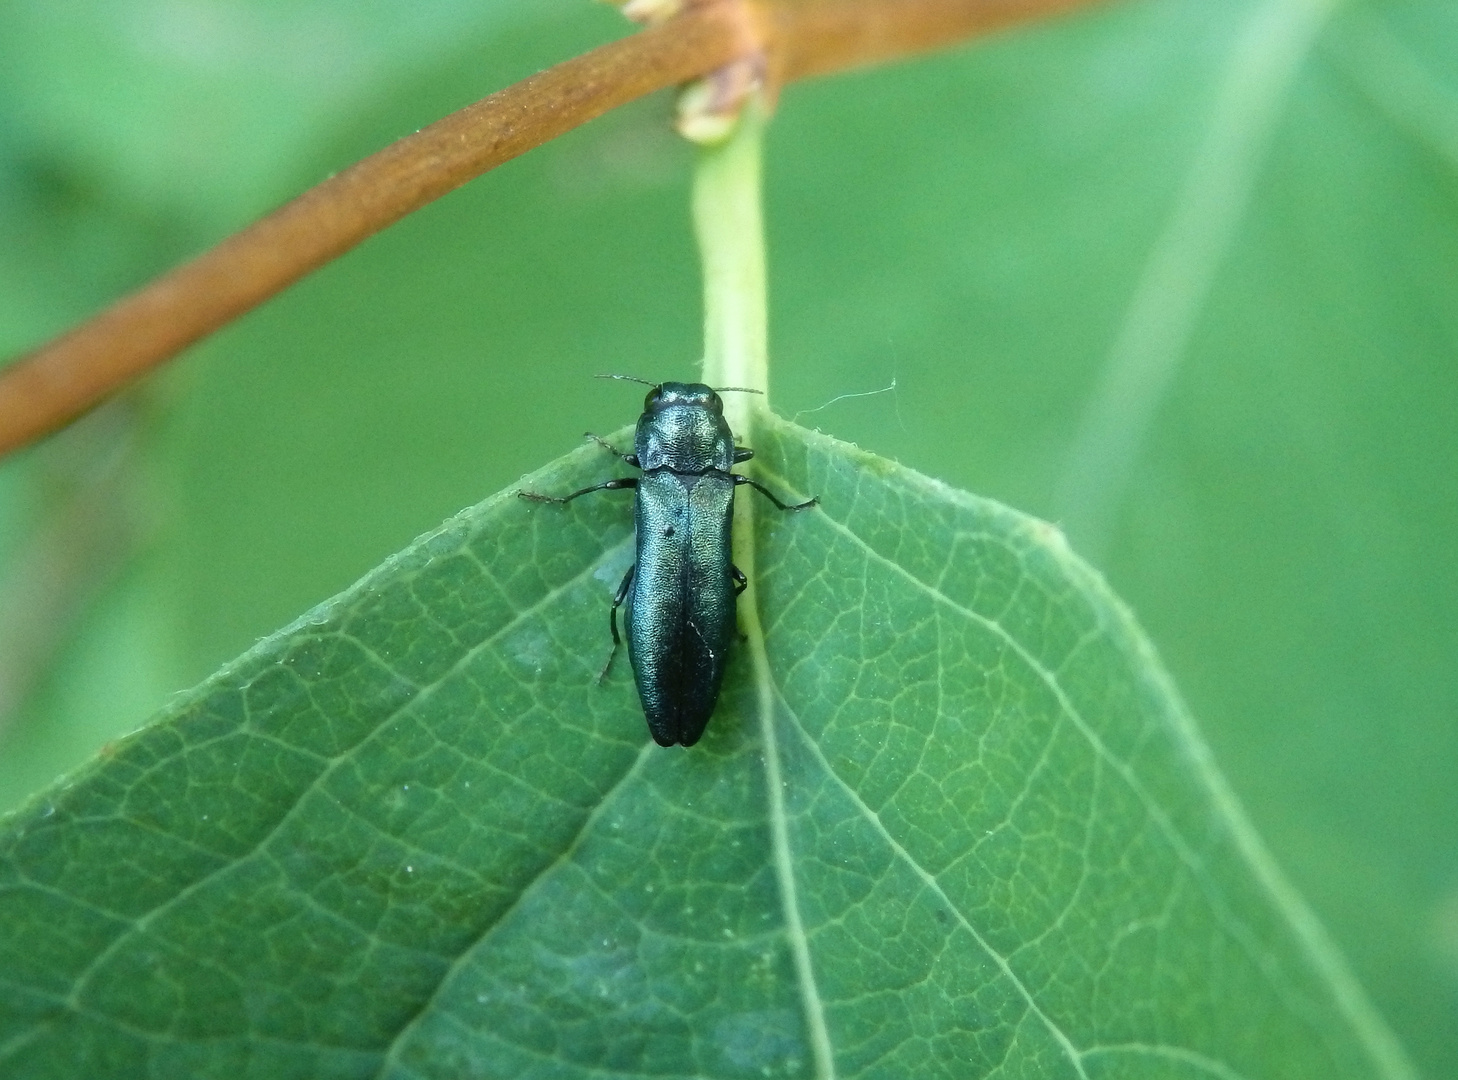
(742, 453)
(631, 459)
(607, 485)
(770, 495)
(740, 584)
(618, 598)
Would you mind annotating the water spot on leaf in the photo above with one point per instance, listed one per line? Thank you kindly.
(532, 648)
(765, 1040)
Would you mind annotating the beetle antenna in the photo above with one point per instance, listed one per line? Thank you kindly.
(627, 378)
(735, 389)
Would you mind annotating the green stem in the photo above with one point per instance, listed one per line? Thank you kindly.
(730, 230)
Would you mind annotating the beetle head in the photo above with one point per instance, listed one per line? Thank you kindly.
(672, 394)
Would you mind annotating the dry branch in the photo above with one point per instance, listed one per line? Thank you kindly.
(46, 388)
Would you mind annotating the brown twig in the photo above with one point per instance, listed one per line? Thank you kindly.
(46, 388)
(817, 37)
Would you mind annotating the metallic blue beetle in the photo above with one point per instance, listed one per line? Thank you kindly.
(680, 592)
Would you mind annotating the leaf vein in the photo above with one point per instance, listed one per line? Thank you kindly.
(140, 924)
(395, 1044)
(929, 880)
(1204, 1063)
(1183, 850)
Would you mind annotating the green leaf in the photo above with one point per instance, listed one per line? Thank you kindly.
(950, 819)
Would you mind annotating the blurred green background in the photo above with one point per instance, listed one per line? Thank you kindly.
(1180, 276)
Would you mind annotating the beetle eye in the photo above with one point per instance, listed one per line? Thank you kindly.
(653, 396)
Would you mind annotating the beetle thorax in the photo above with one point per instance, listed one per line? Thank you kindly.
(684, 438)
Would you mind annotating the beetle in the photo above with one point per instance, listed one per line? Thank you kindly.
(681, 590)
